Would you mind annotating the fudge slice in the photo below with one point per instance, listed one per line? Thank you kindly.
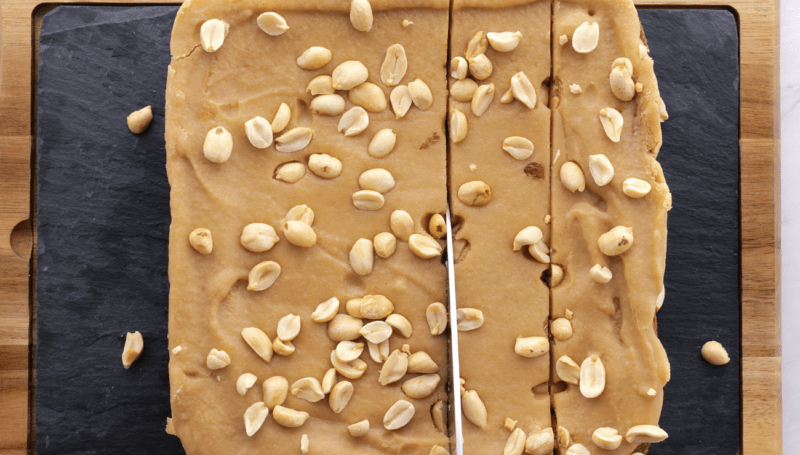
(500, 197)
(286, 163)
(609, 208)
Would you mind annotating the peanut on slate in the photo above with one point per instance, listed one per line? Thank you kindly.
(138, 121)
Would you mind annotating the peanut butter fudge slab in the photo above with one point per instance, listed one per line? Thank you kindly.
(251, 73)
(499, 187)
(609, 208)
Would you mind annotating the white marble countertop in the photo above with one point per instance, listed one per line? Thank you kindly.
(790, 219)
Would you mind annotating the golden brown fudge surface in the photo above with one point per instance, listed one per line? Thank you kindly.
(505, 285)
(616, 320)
(251, 75)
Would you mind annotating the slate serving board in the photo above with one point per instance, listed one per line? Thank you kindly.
(103, 221)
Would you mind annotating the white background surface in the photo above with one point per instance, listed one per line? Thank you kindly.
(790, 220)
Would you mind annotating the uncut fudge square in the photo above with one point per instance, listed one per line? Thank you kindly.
(505, 285)
(250, 75)
(611, 317)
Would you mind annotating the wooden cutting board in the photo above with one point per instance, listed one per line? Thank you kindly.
(759, 160)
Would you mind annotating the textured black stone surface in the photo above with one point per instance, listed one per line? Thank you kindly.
(103, 219)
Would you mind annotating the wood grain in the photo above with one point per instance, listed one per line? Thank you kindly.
(758, 22)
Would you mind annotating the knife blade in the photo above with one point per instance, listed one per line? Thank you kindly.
(454, 337)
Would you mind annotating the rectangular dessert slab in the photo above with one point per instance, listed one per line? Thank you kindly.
(250, 75)
(610, 322)
(506, 286)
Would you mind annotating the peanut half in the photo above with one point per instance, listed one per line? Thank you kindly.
(254, 417)
(361, 15)
(326, 310)
(212, 34)
(712, 352)
(586, 37)
(324, 165)
(275, 391)
(593, 377)
(218, 145)
(273, 24)
(138, 121)
(394, 65)
(532, 347)
(541, 442)
(398, 415)
(436, 314)
(263, 275)
(201, 240)
(259, 341)
(134, 344)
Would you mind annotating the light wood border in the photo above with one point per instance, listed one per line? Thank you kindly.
(759, 35)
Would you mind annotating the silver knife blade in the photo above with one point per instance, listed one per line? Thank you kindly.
(454, 338)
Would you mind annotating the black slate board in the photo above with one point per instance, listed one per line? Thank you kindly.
(103, 221)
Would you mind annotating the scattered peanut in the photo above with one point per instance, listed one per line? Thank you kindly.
(359, 429)
(586, 37)
(314, 57)
(348, 75)
(518, 147)
(368, 96)
(263, 275)
(422, 386)
(138, 121)
(420, 94)
(259, 132)
(259, 341)
(326, 310)
(480, 67)
(398, 415)
(509, 424)
(635, 188)
(212, 34)
(361, 15)
(134, 344)
(436, 314)
(463, 90)
(368, 200)
(340, 396)
(376, 332)
(620, 79)
(324, 165)
(201, 240)
(281, 120)
(567, 370)
(561, 329)
(600, 274)
(438, 450)
(299, 234)
(474, 409)
(402, 225)
(377, 179)
(283, 348)
(273, 24)
(353, 122)
(482, 99)
(504, 42)
(458, 68)
(258, 237)
(523, 90)
(218, 145)
(361, 257)
(289, 327)
(304, 444)
(394, 368)
(290, 172)
(612, 122)
(541, 442)
(578, 449)
(275, 390)
(344, 328)
(289, 417)
(556, 275)
(328, 381)
(575, 89)
(399, 323)
(347, 351)
(351, 370)
(458, 125)
(508, 97)
(601, 169)
(477, 45)
(645, 434)
(244, 382)
(217, 360)
(616, 241)
(437, 227)
(515, 444)
(593, 377)
(330, 105)
(607, 438)
(469, 319)
(321, 85)
(401, 101)
(532, 347)
(308, 389)
(475, 193)
(714, 353)
(421, 362)
(424, 246)
(254, 417)
(394, 66)
(382, 143)
(378, 352)
(528, 236)
(294, 140)
(564, 439)
(384, 244)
